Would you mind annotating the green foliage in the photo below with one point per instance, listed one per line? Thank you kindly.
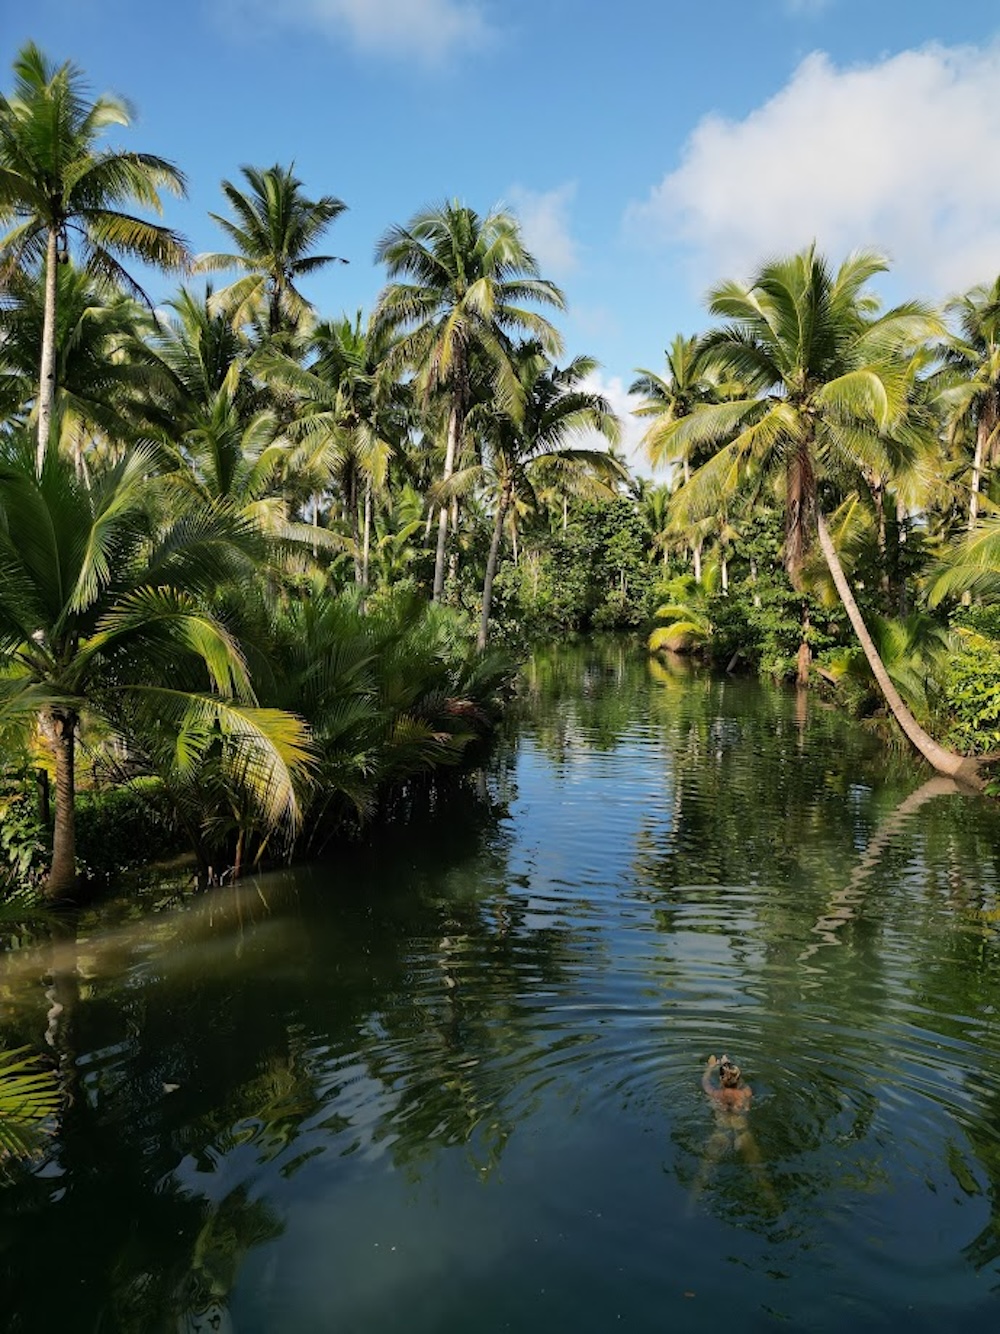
(24, 840)
(125, 826)
(971, 682)
(594, 576)
(29, 1096)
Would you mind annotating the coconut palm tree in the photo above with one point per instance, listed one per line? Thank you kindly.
(275, 230)
(100, 386)
(827, 382)
(471, 278)
(970, 380)
(102, 614)
(350, 415)
(58, 183)
(686, 384)
(551, 409)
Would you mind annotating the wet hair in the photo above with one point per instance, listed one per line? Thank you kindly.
(729, 1073)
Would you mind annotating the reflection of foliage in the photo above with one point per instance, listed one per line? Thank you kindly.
(190, 1290)
(267, 1111)
(29, 1096)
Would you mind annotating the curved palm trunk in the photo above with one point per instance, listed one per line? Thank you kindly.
(47, 369)
(451, 452)
(62, 874)
(944, 761)
(491, 568)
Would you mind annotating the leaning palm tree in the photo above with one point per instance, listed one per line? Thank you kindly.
(827, 380)
(470, 278)
(58, 182)
(103, 614)
(275, 230)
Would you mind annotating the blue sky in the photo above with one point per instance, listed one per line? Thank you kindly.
(651, 147)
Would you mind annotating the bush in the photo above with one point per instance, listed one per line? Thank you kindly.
(24, 840)
(971, 691)
(118, 828)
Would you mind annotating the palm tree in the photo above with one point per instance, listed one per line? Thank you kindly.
(551, 409)
(102, 614)
(275, 229)
(57, 181)
(827, 383)
(100, 386)
(686, 385)
(970, 396)
(470, 279)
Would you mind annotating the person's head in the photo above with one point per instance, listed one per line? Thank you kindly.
(729, 1073)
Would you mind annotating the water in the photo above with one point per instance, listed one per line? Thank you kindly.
(453, 1081)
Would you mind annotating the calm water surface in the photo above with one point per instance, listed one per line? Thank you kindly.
(452, 1082)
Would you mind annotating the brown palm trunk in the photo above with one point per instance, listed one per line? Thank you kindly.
(491, 568)
(901, 540)
(944, 761)
(47, 370)
(62, 874)
(450, 454)
(878, 496)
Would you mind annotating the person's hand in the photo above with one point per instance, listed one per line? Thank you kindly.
(713, 1061)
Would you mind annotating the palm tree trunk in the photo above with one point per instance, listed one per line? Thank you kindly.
(491, 568)
(352, 504)
(878, 496)
(366, 546)
(696, 555)
(453, 557)
(944, 761)
(451, 451)
(47, 369)
(62, 874)
(901, 540)
(982, 435)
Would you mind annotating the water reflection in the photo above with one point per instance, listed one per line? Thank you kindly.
(457, 1074)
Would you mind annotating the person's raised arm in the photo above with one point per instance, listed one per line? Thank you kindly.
(706, 1079)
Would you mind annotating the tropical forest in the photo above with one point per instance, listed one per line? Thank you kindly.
(411, 790)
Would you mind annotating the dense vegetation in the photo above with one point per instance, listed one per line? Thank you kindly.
(253, 558)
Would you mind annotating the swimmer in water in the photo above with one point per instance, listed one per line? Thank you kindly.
(731, 1103)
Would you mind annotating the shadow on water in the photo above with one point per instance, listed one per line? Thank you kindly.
(455, 1074)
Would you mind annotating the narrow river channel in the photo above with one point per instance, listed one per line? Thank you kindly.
(453, 1081)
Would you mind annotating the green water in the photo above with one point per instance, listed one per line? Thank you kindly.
(451, 1082)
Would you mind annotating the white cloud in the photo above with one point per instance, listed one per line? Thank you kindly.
(544, 218)
(900, 155)
(621, 402)
(428, 30)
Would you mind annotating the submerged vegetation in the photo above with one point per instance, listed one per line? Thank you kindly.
(252, 560)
